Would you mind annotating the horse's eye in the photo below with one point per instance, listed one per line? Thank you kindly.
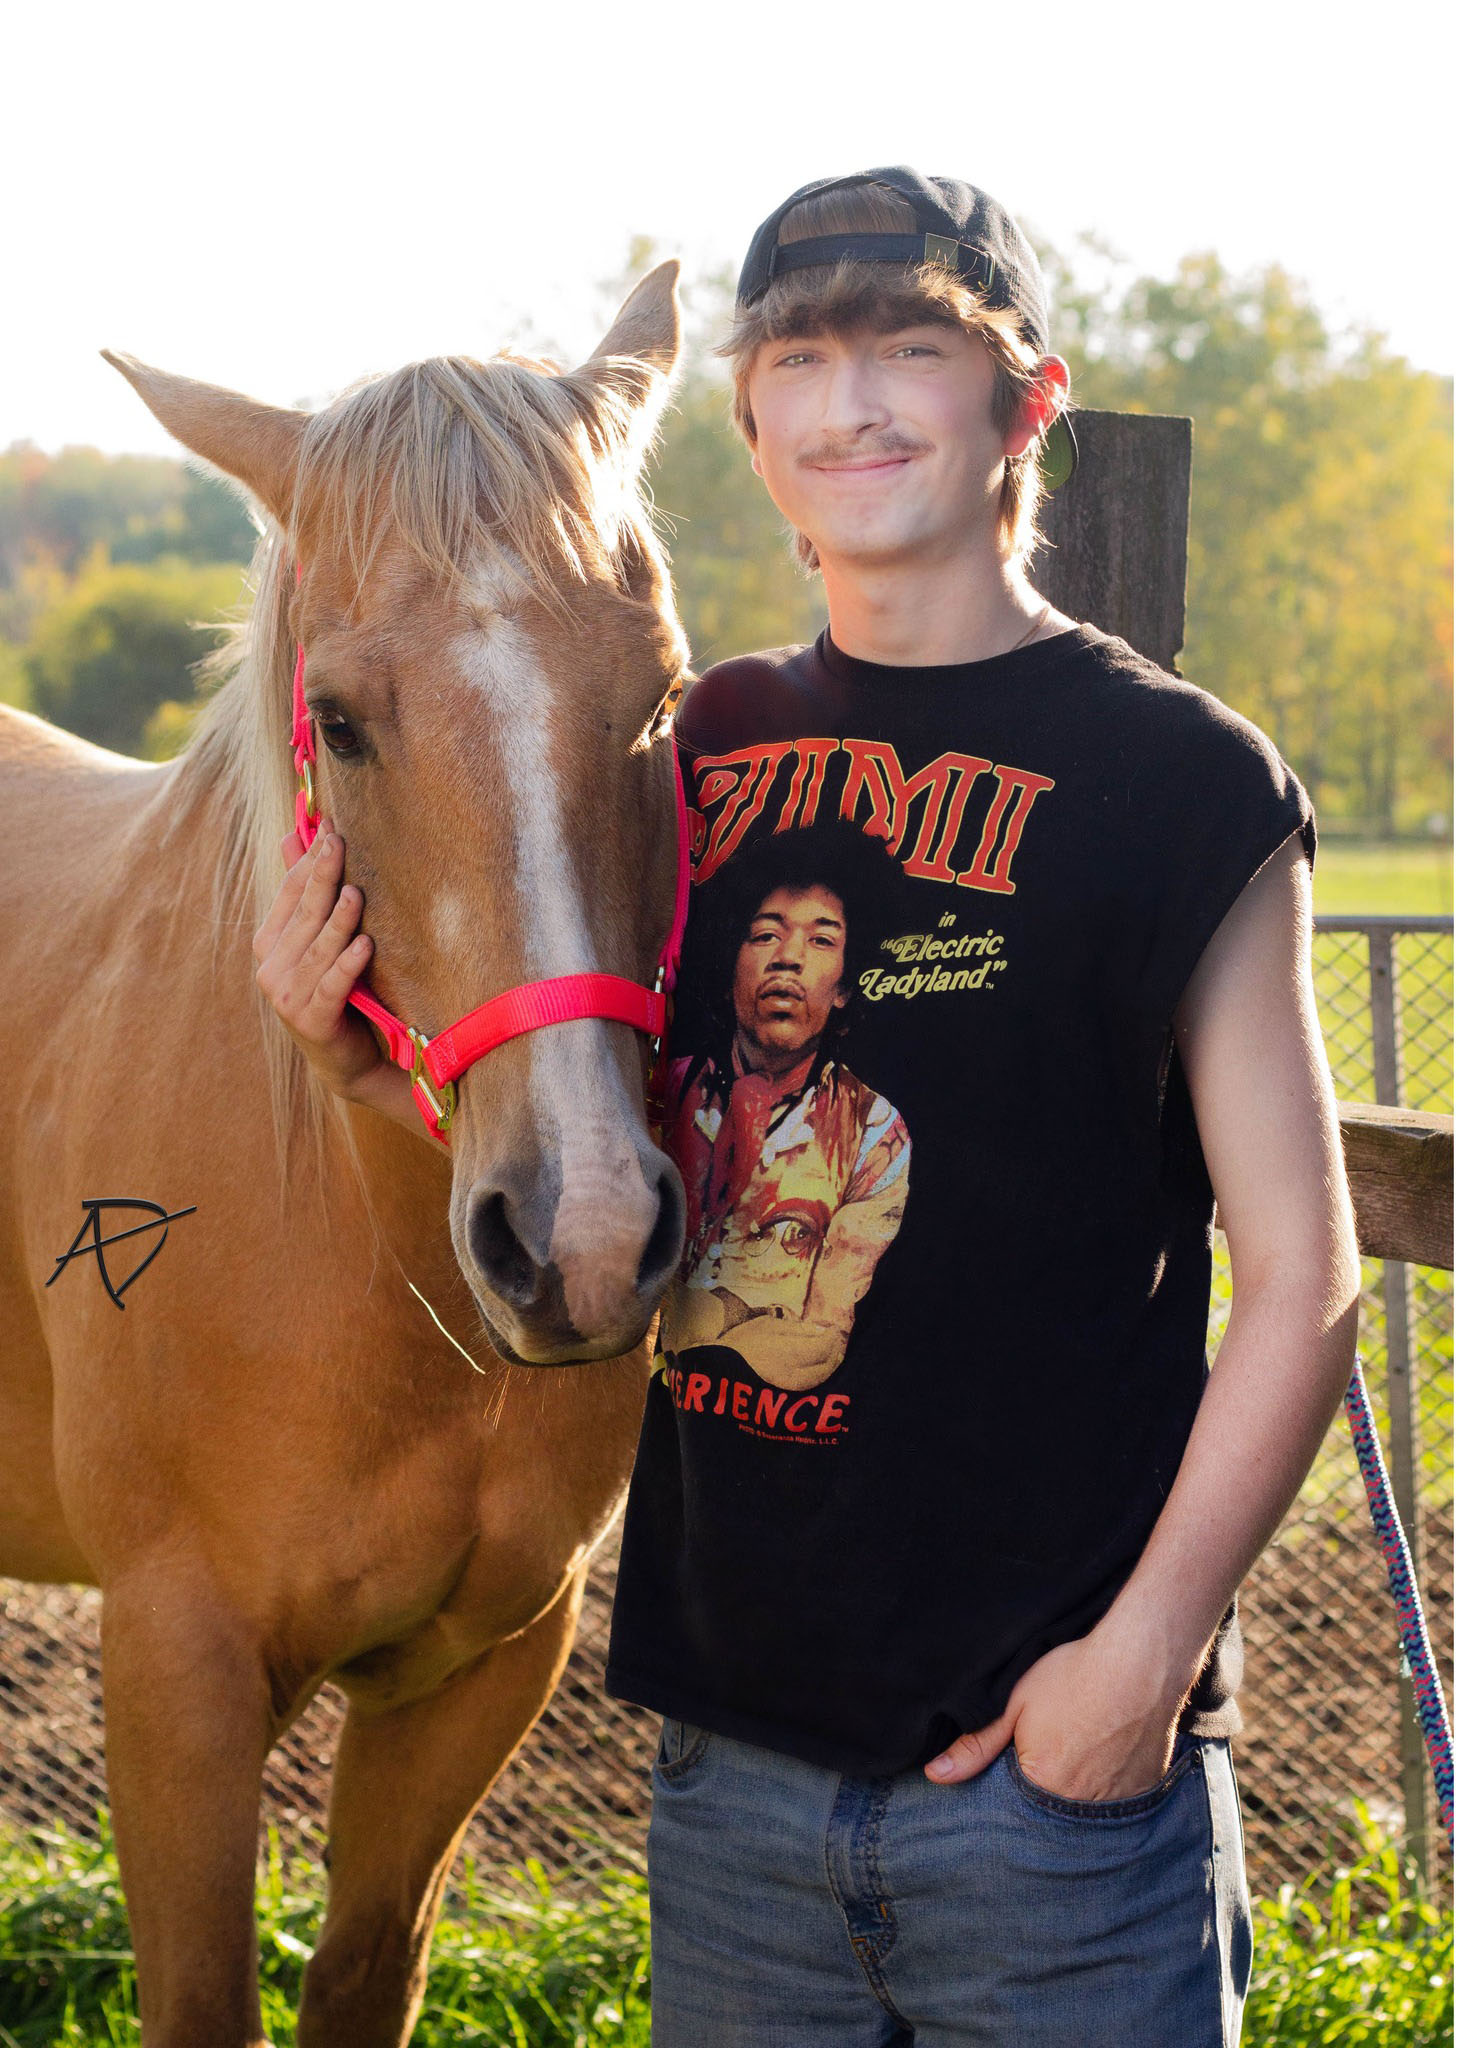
(338, 734)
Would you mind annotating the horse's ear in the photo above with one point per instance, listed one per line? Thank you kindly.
(644, 344)
(258, 445)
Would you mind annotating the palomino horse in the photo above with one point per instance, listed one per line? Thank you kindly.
(273, 1461)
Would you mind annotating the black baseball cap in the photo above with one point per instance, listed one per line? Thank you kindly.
(956, 225)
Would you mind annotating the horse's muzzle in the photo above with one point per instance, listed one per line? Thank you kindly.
(571, 1276)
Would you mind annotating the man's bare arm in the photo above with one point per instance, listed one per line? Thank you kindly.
(1095, 1719)
(1250, 1040)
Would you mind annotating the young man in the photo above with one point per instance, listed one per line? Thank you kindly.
(946, 1757)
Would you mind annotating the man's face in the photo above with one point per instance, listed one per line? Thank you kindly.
(881, 446)
(789, 976)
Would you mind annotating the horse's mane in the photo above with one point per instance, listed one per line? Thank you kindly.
(455, 458)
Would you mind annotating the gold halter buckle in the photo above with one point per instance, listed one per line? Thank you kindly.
(441, 1101)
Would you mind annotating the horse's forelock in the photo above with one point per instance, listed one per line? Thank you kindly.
(451, 455)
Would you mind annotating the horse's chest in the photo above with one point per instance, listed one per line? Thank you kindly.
(450, 1611)
(458, 1557)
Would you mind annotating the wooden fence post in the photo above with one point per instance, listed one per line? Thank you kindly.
(1119, 531)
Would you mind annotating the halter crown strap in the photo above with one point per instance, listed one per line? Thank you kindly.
(302, 740)
(435, 1064)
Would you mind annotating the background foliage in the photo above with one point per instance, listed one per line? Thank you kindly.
(111, 656)
(1320, 556)
(1320, 551)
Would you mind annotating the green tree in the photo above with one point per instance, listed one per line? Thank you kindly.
(1319, 551)
(123, 640)
(61, 509)
(737, 585)
(1319, 563)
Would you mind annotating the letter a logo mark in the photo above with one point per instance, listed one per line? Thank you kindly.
(89, 1239)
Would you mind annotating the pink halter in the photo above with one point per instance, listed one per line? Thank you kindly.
(435, 1064)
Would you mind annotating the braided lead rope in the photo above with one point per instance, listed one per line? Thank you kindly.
(1402, 1580)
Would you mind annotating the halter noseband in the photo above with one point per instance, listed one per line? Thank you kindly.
(435, 1064)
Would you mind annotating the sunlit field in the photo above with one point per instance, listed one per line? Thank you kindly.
(1358, 879)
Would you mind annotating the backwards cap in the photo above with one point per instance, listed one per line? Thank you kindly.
(955, 225)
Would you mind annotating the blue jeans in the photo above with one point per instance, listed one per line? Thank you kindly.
(792, 1907)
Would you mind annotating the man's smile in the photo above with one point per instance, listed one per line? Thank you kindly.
(874, 465)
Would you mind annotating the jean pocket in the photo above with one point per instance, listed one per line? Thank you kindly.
(682, 1746)
(1186, 1760)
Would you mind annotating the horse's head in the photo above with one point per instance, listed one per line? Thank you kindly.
(490, 642)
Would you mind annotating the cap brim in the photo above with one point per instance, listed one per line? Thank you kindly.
(1058, 453)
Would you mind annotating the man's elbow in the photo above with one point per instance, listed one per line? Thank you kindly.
(1306, 1294)
(1343, 1332)
(1342, 1296)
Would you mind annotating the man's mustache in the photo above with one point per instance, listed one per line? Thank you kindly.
(889, 444)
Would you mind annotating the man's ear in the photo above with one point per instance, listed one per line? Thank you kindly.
(1052, 380)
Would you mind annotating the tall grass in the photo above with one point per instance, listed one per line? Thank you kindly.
(1358, 1958)
(1361, 1959)
(515, 1963)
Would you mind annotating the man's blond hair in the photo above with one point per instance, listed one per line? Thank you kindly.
(856, 296)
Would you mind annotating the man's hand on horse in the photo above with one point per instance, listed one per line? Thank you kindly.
(311, 956)
(1087, 1723)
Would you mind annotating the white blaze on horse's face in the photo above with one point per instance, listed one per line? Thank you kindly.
(501, 666)
(585, 1219)
(509, 821)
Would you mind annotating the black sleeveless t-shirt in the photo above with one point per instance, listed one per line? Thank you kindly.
(938, 1336)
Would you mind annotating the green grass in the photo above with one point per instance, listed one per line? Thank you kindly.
(515, 1964)
(1356, 880)
(1383, 879)
(1357, 1958)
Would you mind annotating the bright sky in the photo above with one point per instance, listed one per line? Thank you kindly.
(283, 197)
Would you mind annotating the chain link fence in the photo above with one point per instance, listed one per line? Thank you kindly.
(1328, 1707)
(1327, 1720)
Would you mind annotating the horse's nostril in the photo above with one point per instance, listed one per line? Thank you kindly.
(663, 1249)
(499, 1253)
